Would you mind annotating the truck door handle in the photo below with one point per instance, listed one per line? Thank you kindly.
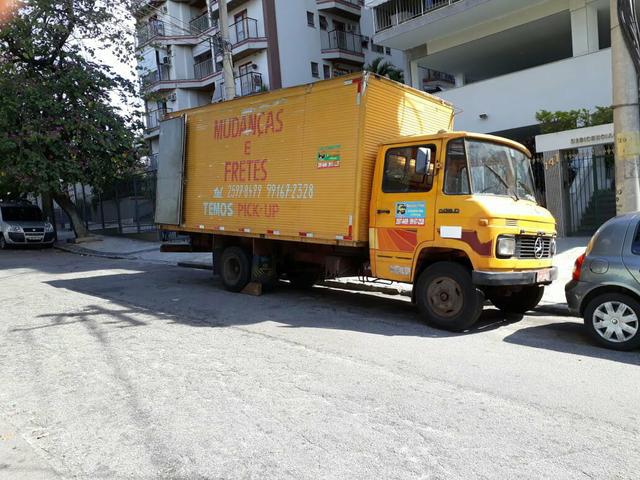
(384, 211)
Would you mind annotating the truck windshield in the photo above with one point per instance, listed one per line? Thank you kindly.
(499, 170)
(21, 214)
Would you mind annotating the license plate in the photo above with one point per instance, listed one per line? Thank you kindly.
(544, 276)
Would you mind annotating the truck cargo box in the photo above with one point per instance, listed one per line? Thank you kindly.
(295, 164)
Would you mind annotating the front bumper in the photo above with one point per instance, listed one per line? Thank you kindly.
(543, 276)
(18, 238)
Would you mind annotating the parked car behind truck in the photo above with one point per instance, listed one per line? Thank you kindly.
(23, 224)
(358, 175)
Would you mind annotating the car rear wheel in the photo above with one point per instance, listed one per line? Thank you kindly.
(518, 302)
(235, 268)
(613, 320)
(447, 297)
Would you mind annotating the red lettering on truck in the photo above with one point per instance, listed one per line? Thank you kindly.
(252, 124)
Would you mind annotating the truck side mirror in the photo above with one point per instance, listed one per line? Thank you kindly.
(423, 160)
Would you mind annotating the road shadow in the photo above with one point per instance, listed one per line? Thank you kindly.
(568, 337)
(195, 298)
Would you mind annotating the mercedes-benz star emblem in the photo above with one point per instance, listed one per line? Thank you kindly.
(538, 248)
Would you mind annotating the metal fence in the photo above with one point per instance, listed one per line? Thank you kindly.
(125, 207)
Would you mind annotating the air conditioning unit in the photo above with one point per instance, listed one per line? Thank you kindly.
(166, 61)
(165, 9)
(171, 97)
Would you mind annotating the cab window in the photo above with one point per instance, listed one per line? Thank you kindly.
(456, 177)
(635, 245)
(400, 169)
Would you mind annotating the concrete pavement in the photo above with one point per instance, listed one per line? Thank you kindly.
(132, 369)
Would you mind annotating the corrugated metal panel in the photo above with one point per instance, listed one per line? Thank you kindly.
(393, 111)
(170, 172)
(266, 176)
(253, 166)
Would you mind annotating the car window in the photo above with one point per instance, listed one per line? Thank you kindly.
(456, 177)
(635, 245)
(400, 174)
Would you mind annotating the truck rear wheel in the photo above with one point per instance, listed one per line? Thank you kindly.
(518, 302)
(235, 268)
(447, 297)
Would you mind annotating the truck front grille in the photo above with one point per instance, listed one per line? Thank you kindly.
(526, 247)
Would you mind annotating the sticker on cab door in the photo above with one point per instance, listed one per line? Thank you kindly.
(410, 213)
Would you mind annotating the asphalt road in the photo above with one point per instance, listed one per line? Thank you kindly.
(121, 369)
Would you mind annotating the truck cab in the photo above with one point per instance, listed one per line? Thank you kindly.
(456, 215)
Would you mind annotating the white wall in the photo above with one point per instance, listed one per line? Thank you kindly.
(511, 101)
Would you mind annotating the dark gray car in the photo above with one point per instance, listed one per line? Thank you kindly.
(22, 223)
(605, 289)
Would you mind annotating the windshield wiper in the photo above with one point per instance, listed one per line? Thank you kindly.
(502, 180)
(527, 191)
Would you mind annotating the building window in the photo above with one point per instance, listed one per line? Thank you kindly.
(388, 51)
(315, 72)
(327, 71)
(322, 20)
(377, 48)
(311, 19)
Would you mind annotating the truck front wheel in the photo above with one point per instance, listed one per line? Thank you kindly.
(235, 268)
(518, 302)
(447, 297)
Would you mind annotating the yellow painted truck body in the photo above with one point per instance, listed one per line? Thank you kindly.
(362, 172)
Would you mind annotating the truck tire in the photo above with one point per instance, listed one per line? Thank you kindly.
(447, 298)
(235, 268)
(518, 302)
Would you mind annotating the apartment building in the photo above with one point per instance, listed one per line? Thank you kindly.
(275, 44)
(503, 60)
(500, 62)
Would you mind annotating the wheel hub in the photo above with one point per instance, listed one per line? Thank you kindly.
(445, 297)
(615, 322)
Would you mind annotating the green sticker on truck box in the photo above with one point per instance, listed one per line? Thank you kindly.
(328, 157)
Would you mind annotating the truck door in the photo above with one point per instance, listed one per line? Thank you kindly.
(403, 207)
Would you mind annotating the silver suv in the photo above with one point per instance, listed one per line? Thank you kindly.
(22, 223)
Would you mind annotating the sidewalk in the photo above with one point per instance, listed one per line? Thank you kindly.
(118, 247)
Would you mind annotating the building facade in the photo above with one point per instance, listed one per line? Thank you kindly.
(503, 60)
(275, 44)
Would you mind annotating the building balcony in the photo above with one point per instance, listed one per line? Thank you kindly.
(246, 38)
(202, 24)
(150, 81)
(246, 84)
(231, 4)
(511, 101)
(407, 24)
(149, 31)
(153, 120)
(345, 8)
(203, 69)
(343, 46)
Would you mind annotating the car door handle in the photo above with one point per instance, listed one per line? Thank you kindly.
(384, 211)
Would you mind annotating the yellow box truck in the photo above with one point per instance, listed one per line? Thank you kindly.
(358, 175)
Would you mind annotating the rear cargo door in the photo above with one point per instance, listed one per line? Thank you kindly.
(404, 208)
(170, 172)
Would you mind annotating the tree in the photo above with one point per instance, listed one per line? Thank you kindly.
(552, 122)
(58, 123)
(385, 69)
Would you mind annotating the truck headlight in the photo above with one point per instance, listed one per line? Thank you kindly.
(506, 247)
(15, 229)
(48, 228)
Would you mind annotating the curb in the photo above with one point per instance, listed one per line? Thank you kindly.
(71, 248)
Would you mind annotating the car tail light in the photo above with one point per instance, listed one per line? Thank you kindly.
(577, 267)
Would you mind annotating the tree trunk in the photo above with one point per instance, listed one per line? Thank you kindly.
(70, 209)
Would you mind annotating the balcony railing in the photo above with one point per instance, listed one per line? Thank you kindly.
(200, 24)
(203, 69)
(395, 12)
(154, 118)
(155, 76)
(150, 31)
(342, 40)
(354, 3)
(242, 30)
(249, 83)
